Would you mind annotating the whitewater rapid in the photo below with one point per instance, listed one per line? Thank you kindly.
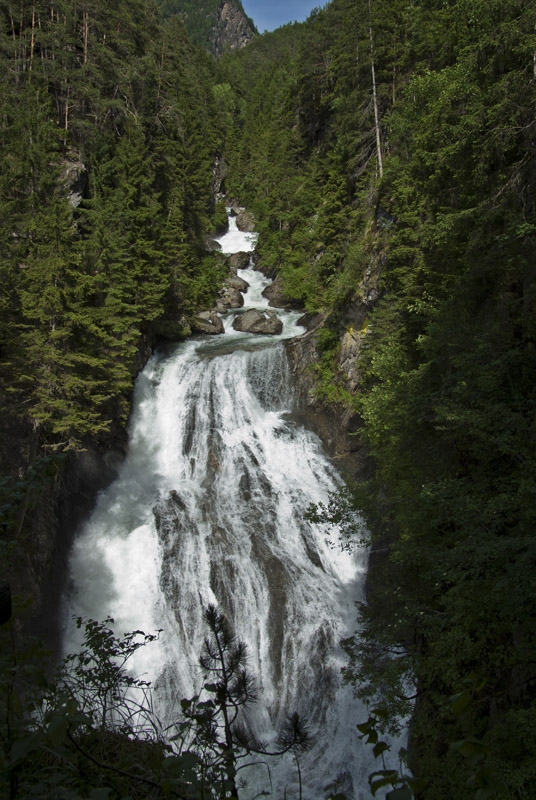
(209, 507)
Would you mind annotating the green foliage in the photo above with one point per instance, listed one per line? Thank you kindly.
(89, 731)
(446, 389)
(85, 287)
(341, 516)
(97, 679)
(403, 784)
(448, 404)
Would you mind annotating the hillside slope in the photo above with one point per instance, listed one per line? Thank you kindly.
(388, 152)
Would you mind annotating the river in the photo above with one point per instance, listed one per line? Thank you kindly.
(209, 507)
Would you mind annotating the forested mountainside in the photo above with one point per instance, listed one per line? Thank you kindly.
(122, 108)
(388, 152)
(215, 25)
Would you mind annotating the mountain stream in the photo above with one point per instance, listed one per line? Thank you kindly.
(209, 507)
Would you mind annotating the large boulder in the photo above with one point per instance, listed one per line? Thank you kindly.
(255, 321)
(207, 322)
(237, 283)
(245, 221)
(230, 297)
(239, 261)
(276, 297)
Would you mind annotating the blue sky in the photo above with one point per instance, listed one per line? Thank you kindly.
(270, 14)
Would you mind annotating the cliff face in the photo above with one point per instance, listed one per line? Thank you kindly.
(232, 30)
(337, 426)
(216, 25)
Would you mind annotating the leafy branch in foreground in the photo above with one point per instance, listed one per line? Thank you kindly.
(403, 784)
(341, 515)
(99, 681)
(90, 730)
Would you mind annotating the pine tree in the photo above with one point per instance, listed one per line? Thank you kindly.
(220, 735)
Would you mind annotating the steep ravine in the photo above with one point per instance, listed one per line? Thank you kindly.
(210, 507)
(39, 570)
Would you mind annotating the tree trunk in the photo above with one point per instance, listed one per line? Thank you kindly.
(375, 97)
(85, 33)
(32, 41)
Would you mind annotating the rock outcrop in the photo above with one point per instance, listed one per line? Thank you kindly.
(219, 175)
(335, 424)
(233, 30)
(216, 25)
(256, 321)
(73, 178)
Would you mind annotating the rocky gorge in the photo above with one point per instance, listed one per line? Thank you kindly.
(66, 490)
(337, 425)
(210, 506)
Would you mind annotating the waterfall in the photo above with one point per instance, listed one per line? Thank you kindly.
(209, 506)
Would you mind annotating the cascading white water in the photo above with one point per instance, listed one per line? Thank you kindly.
(209, 507)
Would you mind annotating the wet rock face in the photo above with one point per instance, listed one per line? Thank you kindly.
(255, 321)
(170, 515)
(53, 523)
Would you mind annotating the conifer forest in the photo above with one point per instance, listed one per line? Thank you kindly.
(386, 150)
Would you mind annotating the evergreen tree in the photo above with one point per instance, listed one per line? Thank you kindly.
(81, 287)
(221, 736)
